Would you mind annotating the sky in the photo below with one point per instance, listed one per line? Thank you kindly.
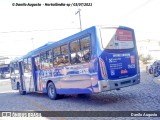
(23, 28)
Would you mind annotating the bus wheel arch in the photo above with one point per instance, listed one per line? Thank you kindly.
(51, 90)
(47, 84)
(22, 92)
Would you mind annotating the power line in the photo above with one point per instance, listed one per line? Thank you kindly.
(37, 30)
(138, 7)
(12, 55)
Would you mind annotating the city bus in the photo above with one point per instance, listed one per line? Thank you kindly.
(4, 71)
(97, 59)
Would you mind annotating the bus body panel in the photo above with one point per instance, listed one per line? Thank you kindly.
(76, 78)
(70, 79)
(120, 65)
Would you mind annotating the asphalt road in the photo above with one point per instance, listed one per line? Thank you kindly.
(142, 97)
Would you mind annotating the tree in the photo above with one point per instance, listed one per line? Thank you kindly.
(146, 58)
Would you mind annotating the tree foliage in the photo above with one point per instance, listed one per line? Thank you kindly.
(146, 58)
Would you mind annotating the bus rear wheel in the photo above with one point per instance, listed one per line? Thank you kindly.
(52, 91)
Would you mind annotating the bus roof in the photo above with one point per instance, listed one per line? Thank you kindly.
(49, 45)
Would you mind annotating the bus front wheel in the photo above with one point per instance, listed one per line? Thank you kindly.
(52, 91)
(20, 90)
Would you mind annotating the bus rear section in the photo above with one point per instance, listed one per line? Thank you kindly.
(118, 61)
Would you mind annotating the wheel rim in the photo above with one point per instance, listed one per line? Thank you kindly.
(51, 91)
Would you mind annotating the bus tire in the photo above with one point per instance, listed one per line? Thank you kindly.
(52, 94)
(21, 91)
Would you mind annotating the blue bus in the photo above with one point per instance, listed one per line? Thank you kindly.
(98, 59)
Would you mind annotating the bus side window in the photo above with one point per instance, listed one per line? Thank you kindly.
(61, 55)
(16, 68)
(56, 53)
(46, 59)
(49, 58)
(86, 57)
(75, 52)
(29, 65)
(37, 63)
(64, 54)
(25, 64)
(42, 60)
(11, 68)
(85, 48)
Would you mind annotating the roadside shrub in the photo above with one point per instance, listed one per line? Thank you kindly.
(145, 59)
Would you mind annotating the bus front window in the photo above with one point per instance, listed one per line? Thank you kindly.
(117, 38)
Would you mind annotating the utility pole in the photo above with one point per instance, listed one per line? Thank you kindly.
(79, 11)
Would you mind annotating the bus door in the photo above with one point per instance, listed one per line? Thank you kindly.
(35, 69)
(28, 76)
(36, 73)
(21, 76)
(14, 75)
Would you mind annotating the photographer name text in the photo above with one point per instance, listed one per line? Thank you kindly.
(52, 4)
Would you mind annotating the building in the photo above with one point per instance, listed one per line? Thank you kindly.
(149, 47)
(4, 60)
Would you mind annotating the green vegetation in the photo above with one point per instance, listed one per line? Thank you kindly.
(145, 59)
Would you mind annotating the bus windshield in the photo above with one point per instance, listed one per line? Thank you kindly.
(113, 38)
